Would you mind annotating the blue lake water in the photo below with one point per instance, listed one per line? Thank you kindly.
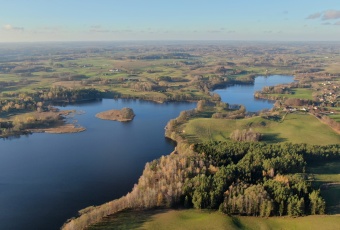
(244, 94)
(46, 178)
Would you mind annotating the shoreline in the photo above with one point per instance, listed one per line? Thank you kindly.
(64, 128)
(114, 115)
(60, 129)
(53, 122)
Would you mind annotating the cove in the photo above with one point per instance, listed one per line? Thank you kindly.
(46, 178)
(244, 94)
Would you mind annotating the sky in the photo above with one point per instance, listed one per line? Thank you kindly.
(120, 20)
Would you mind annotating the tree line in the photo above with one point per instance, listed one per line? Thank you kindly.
(20, 102)
(239, 178)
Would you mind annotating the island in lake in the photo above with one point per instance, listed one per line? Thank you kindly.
(124, 115)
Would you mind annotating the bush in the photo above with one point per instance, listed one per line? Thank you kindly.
(127, 113)
(245, 135)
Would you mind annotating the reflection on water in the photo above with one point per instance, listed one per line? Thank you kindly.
(244, 94)
(46, 178)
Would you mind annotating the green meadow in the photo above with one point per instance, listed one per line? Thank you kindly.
(295, 128)
(323, 173)
(300, 93)
(197, 219)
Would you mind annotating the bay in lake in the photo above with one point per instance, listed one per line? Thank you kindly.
(244, 94)
(46, 178)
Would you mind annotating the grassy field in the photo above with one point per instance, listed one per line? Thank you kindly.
(196, 219)
(336, 113)
(302, 93)
(296, 128)
(299, 93)
(333, 67)
(335, 117)
(328, 172)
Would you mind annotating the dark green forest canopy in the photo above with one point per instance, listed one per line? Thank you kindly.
(239, 178)
(258, 179)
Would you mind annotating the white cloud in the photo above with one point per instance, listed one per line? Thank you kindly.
(326, 15)
(314, 16)
(331, 14)
(9, 27)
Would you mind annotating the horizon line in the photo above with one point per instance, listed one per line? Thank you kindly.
(171, 40)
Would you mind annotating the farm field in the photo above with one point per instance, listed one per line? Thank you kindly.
(196, 219)
(296, 128)
(327, 176)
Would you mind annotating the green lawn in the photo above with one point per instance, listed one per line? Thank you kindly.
(300, 93)
(296, 128)
(333, 68)
(327, 172)
(197, 219)
(335, 117)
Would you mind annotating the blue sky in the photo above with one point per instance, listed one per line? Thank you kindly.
(109, 20)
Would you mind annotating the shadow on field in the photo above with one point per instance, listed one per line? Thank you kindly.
(272, 138)
(191, 138)
(328, 167)
(206, 114)
(326, 177)
(129, 219)
(332, 198)
(236, 221)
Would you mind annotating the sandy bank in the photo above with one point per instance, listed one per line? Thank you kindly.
(66, 128)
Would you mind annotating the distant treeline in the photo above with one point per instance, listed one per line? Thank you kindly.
(18, 102)
(41, 101)
(62, 94)
(21, 102)
(162, 56)
(235, 177)
(22, 125)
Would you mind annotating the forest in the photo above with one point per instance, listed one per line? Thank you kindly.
(32, 80)
(244, 178)
(232, 176)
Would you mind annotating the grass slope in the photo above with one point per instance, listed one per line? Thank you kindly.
(296, 128)
(328, 172)
(196, 219)
(299, 93)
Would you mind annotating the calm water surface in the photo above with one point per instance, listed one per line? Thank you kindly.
(46, 178)
(244, 94)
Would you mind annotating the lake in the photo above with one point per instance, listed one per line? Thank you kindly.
(46, 178)
(244, 94)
